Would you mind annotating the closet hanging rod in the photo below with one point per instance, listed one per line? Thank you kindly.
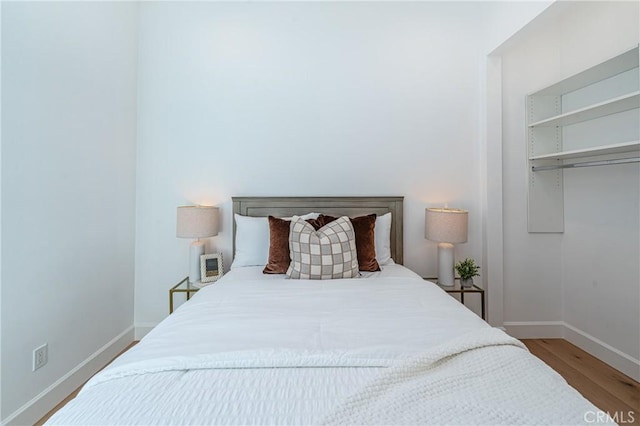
(586, 164)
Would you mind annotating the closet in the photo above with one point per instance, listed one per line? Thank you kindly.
(588, 119)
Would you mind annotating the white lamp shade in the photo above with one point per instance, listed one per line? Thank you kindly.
(197, 222)
(446, 225)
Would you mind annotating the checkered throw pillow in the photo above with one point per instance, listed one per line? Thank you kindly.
(328, 253)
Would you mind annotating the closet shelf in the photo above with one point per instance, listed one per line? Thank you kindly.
(616, 80)
(614, 66)
(611, 106)
(619, 148)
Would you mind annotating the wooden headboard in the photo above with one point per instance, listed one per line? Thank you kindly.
(334, 206)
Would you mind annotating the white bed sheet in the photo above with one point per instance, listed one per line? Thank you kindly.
(393, 312)
(256, 349)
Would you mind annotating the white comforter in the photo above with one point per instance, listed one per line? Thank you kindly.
(252, 349)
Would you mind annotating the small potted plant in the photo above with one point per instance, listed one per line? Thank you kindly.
(467, 269)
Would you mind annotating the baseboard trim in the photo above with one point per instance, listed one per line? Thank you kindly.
(617, 359)
(41, 404)
(143, 329)
(535, 329)
(604, 352)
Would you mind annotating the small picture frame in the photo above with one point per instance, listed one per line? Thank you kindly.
(210, 267)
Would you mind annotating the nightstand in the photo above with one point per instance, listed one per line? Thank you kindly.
(458, 289)
(183, 286)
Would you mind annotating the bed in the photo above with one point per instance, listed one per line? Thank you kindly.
(385, 348)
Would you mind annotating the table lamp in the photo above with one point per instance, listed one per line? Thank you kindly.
(196, 222)
(446, 226)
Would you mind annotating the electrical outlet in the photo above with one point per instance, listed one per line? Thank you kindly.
(40, 356)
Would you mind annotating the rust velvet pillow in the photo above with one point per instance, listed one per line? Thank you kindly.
(279, 256)
(365, 239)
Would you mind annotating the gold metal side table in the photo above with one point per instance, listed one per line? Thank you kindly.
(456, 288)
(183, 286)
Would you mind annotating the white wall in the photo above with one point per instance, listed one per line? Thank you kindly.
(1, 133)
(601, 245)
(68, 192)
(503, 19)
(303, 99)
(532, 262)
(583, 284)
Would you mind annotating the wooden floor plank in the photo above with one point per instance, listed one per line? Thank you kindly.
(623, 387)
(75, 392)
(589, 389)
(593, 390)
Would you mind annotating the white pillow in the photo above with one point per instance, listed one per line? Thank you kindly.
(382, 237)
(252, 240)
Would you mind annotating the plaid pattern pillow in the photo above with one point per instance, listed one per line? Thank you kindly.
(328, 253)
